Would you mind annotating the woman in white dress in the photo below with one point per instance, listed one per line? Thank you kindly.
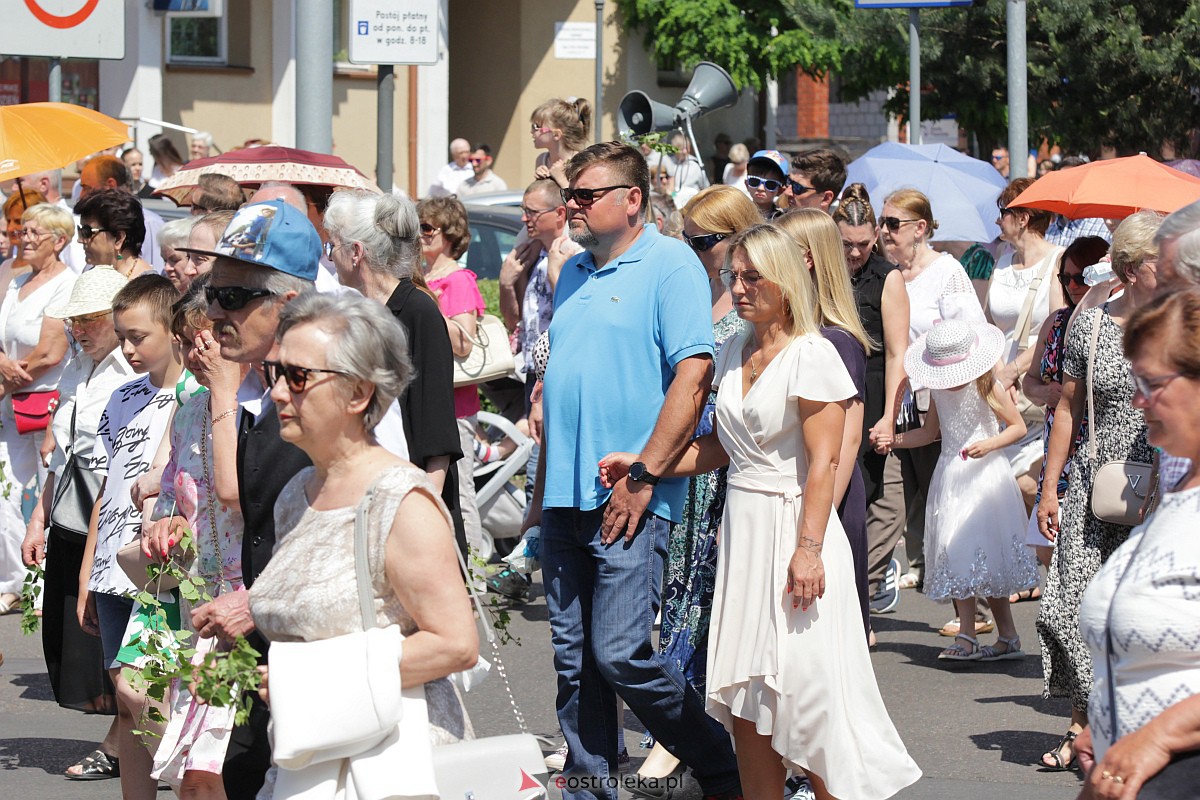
(1024, 290)
(789, 673)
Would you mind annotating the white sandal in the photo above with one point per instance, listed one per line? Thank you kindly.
(956, 652)
(1012, 650)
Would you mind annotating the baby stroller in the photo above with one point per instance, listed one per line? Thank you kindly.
(502, 504)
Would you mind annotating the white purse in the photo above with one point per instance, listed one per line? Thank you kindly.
(491, 356)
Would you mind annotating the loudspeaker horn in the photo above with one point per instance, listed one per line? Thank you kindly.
(641, 115)
(711, 88)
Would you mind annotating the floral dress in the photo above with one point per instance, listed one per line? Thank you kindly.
(198, 735)
(1051, 372)
(691, 567)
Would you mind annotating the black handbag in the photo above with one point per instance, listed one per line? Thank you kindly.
(75, 494)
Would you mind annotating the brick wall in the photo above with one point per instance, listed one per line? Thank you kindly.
(812, 107)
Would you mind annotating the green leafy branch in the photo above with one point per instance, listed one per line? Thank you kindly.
(222, 679)
(31, 589)
(496, 610)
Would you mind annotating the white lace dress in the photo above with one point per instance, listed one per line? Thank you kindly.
(975, 520)
(308, 591)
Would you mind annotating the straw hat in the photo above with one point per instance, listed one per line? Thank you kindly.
(93, 292)
(953, 353)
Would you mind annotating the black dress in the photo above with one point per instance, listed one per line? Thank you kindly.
(853, 509)
(427, 406)
(868, 285)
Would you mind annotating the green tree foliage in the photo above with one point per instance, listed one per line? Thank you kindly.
(752, 39)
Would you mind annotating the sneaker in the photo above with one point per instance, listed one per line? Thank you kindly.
(885, 600)
(798, 788)
(509, 583)
(558, 759)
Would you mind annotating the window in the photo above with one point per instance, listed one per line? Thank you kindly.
(198, 36)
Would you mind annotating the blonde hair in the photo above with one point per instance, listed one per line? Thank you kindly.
(985, 384)
(775, 255)
(739, 154)
(1133, 242)
(56, 220)
(916, 203)
(722, 209)
(817, 233)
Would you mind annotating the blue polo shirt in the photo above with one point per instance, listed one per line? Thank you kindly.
(618, 332)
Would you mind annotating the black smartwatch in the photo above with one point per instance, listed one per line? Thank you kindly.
(639, 473)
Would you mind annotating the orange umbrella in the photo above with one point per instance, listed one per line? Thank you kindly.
(1112, 189)
(40, 136)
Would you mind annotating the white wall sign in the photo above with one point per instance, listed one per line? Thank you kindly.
(64, 28)
(393, 31)
(575, 40)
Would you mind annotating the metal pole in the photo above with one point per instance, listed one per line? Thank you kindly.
(598, 109)
(1018, 98)
(55, 80)
(385, 104)
(914, 76)
(314, 76)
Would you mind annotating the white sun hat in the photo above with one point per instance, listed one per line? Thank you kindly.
(92, 293)
(953, 353)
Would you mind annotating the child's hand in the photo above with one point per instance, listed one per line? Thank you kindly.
(883, 441)
(977, 449)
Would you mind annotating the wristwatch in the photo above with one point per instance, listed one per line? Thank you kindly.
(639, 473)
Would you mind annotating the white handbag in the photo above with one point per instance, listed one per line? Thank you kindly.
(491, 355)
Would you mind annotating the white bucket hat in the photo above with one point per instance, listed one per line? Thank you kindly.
(93, 292)
(953, 353)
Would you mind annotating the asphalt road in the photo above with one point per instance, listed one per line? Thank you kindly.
(976, 731)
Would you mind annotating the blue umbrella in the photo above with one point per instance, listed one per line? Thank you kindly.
(961, 189)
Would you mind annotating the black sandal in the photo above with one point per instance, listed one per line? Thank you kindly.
(1068, 740)
(95, 766)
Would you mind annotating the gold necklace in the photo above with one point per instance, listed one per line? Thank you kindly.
(753, 368)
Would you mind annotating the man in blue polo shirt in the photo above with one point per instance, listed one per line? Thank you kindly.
(631, 363)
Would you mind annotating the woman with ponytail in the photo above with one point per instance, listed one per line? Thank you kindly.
(560, 127)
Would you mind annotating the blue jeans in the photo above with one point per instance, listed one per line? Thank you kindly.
(602, 602)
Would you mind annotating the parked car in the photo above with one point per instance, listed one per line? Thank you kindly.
(494, 232)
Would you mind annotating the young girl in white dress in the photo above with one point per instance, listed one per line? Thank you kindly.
(975, 518)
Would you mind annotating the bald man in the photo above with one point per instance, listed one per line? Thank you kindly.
(451, 176)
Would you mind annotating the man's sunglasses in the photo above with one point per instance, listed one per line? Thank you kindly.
(770, 184)
(295, 377)
(894, 224)
(233, 298)
(584, 198)
(800, 188)
(705, 241)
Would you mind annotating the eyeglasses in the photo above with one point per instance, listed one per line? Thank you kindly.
(533, 214)
(1148, 387)
(329, 247)
(798, 187)
(428, 230)
(295, 377)
(534, 128)
(747, 277)
(1066, 278)
(233, 298)
(705, 241)
(1007, 210)
(893, 224)
(584, 198)
(86, 319)
(86, 232)
(30, 233)
(769, 184)
(999, 157)
(477, 160)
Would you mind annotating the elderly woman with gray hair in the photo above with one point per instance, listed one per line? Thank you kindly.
(373, 243)
(340, 363)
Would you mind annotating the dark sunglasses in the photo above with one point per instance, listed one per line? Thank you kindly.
(428, 230)
(705, 241)
(1067, 278)
(584, 198)
(748, 277)
(770, 184)
(86, 232)
(893, 224)
(798, 187)
(232, 298)
(295, 377)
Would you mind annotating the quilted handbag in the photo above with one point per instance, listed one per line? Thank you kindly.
(33, 410)
(490, 357)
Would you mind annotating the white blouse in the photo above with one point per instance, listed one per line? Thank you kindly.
(1155, 621)
(21, 321)
(87, 390)
(1007, 292)
(941, 291)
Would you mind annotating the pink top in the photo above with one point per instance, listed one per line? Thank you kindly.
(458, 293)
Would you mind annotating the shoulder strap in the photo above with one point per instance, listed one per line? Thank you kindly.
(1023, 321)
(362, 570)
(1091, 380)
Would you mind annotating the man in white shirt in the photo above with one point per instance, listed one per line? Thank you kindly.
(451, 176)
(49, 183)
(483, 181)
